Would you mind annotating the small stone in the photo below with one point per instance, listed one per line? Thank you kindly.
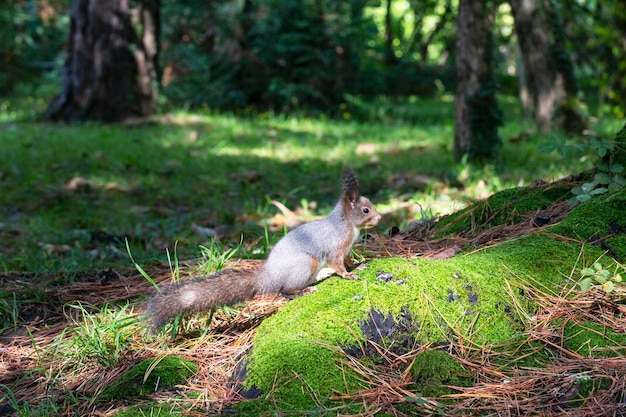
(385, 276)
(541, 221)
(452, 296)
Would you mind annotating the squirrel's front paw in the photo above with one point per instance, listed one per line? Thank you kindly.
(351, 275)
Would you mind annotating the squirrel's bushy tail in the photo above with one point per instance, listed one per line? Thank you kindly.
(201, 294)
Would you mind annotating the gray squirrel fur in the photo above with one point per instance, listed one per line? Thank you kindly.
(291, 266)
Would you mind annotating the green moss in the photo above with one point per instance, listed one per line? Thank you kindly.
(150, 411)
(167, 372)
(435, 371)
(297, 351)
(287, 354)
(603, 216)
(504, 207)
(588, 387)
(594, 340)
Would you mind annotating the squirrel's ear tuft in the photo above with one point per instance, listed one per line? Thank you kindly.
(350, 185)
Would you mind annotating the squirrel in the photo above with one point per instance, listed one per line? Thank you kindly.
(291, 265)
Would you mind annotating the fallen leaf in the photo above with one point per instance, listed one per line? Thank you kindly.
(55, 249)
(446, 253)
(78, 185)
(203, 231)
(366, 148)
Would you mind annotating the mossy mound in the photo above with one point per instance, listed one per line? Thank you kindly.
(477, 298)
(149, 376)
(601, 221)
(504, 207)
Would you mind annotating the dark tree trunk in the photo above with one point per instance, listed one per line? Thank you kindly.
(477, 116)
(530, 28)
(110, 71)
(390, 56)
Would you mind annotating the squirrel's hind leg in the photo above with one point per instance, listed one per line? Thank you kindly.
(291, 294)
(337, 263)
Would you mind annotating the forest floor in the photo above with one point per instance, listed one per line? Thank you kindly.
(46, 379)
(78, 201)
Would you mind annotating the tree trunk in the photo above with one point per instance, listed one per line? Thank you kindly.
(524, 92)
(530, 28)
(477, 117)
(390, 56)
(110, 71)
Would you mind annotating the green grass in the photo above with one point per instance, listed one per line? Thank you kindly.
(102, 337)
(152, 183)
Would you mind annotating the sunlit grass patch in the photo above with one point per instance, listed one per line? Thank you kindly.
(71, 194)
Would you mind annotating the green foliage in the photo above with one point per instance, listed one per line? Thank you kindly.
(601, 275)
(558, 142)
(301, 54)
(291, 54)
(32, 36)
(608, 176)
(602, 71)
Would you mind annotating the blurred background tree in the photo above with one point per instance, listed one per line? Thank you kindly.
(110, 69)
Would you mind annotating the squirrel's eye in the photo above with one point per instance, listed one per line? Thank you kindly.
(366, 210)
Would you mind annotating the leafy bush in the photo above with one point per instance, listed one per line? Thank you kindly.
(32, 41)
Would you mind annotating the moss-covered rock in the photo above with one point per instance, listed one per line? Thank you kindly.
(477, 298)
(149, 376)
